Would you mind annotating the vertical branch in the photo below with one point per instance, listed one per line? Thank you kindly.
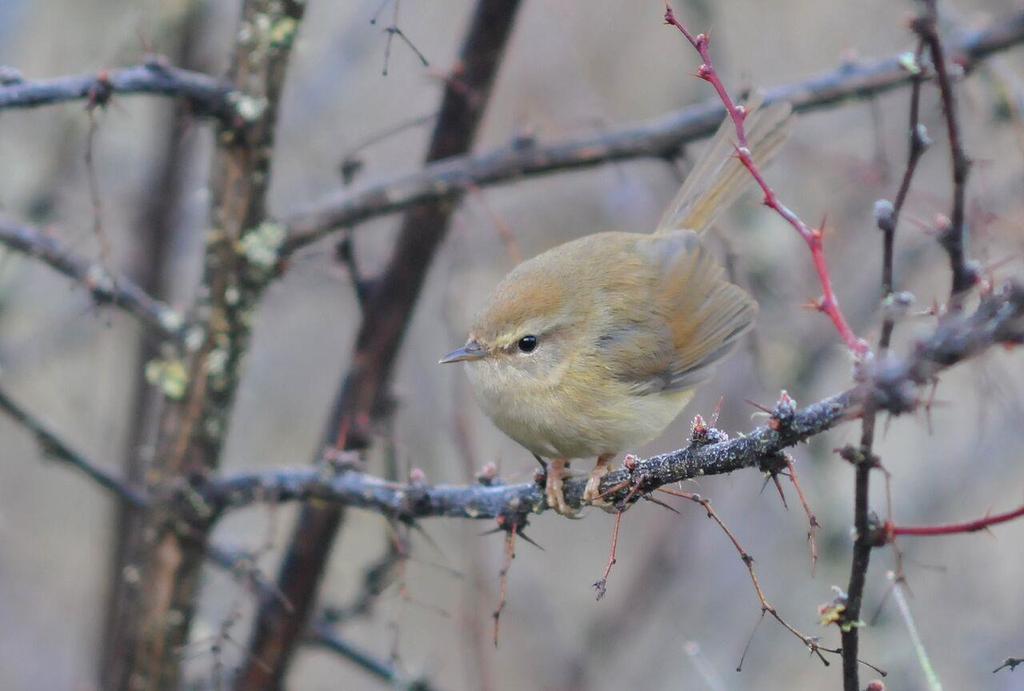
(953, 237)
(887, 218)
(238, 263)
(152, 267)
(386, 314)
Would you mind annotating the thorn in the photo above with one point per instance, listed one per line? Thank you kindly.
(651, 499)
(778, 486)
(426, 536)
(757, 405)
(520, 533)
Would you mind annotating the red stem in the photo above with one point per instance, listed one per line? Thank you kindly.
(953, 528)
(828, 303)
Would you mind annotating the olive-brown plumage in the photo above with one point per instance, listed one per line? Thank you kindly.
(595, 346)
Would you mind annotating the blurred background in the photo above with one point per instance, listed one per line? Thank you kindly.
(679, 607)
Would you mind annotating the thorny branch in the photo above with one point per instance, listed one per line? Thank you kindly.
(748, 562)
(892, 387)
(658, 138)
(104, 287)
(828, 304)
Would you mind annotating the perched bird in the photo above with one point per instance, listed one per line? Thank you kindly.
(596, 345)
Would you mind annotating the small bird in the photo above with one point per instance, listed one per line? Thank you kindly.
(595, 346)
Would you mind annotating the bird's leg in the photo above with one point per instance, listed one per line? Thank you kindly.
(592, 494)
(553, 486)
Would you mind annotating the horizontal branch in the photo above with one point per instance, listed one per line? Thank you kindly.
(237, 562)
(208, 95)
(974, 526)
(57, 449)
(412, 501)
(660, 137)
(999, 319)
(105, 288)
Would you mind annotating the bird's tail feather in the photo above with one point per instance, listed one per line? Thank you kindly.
(719, 177)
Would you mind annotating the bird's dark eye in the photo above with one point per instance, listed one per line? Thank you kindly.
(527, 344)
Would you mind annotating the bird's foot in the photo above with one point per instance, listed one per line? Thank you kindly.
(592, 492)
(553, 487)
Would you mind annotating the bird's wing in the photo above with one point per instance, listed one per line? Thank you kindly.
(690, 321)
(718, 177)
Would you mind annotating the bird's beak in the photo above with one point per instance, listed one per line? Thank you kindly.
(471, 351)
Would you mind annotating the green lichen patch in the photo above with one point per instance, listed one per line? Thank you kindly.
(168, 375)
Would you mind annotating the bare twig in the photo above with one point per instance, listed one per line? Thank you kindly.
(812, 519)
(1010, 663)
(56, 448)
(323, 635)
(393, 30)
(748, 561)
(506, 566)
(601, 585)
(208, 95)
(98, 229)
(974, 526)
(828, 304)
(888, 218)
(953, 237)
(104, 287)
